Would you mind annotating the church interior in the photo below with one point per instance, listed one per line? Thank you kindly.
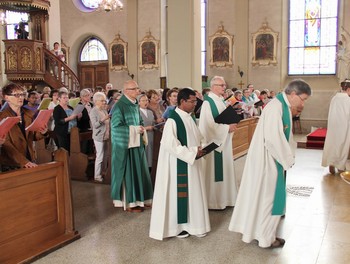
(185, 51)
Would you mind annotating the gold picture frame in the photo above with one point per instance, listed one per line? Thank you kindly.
(118, 54)
(221, 45)
(264, 43)
(148, 52)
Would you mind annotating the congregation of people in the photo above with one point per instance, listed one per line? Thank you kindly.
(189, 179)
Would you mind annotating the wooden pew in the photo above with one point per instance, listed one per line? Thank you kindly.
(43, 155)
(36, 214)
(78, 161)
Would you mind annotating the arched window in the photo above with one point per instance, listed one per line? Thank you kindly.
(93, 50)
(312, 37)
(90, 3)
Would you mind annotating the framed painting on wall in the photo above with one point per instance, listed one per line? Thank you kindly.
(148, 52)
(264, 46)
(117, 54)
(221, 44)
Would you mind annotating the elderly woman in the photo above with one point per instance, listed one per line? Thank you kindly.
(100, 122)
(17, 149)
(155, 106)
(64, 121)
(148, 122)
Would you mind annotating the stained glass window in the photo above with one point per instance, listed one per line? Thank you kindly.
(312, 36)
(93, 50)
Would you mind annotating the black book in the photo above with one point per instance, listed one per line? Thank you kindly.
(198, 107)
(259, 103)
(228, 116)
(212, 146)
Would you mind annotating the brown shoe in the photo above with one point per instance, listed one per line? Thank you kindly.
(134, 209)
(279, 242)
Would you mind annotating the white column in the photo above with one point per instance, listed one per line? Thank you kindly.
(184, 46)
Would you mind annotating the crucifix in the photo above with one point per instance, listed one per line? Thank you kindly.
(241, 84)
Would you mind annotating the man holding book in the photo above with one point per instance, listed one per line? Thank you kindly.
(219, 170)
(179, 202)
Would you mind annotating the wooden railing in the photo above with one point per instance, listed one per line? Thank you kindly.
(36, 214)
(57, 73)
(30, 61)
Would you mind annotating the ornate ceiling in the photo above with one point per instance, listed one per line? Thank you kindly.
(25, 6)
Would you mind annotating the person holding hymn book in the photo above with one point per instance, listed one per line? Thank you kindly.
(64, 121)
(179, 202)
(17, 150)
(219, 170)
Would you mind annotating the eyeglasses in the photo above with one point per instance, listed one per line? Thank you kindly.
(18, 95)
(133, 89)
(302, 99)
(222, 85)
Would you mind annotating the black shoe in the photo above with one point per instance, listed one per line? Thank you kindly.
(183, 234)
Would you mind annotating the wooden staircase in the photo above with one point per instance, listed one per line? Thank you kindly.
(29, 61)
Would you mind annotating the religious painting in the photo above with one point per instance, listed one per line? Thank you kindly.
(264, 46)
(221, 44)
(148, 52)
(117, 54)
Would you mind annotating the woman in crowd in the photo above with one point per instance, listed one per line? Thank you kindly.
(64, 120)
(100, 122)
(17, 150)
(155, 105)
(172, 99)
(148, 122)
(113, 97)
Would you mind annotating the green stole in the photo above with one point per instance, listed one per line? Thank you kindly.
(182, 172)
(218, 163)
(279, 202)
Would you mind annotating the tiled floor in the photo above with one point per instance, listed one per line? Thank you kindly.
(316, 228)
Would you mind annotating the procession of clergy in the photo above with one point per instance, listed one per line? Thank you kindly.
(190, 181)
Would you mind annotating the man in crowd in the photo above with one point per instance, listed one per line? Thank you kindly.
(131, 185)
(262, 194)
(32, 101)
(337, 145)
(179, 202)
(220, 176)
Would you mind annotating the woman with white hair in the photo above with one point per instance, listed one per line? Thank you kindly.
(100, 131)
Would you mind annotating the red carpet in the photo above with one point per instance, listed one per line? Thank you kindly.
(316, 139)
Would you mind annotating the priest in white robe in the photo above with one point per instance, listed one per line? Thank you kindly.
(179, 201)
(262, 194)
(219, 170)
(337, 145)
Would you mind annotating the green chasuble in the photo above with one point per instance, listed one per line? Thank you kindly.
(279, 202)
(129, 165)
(182, 172)
(218, 163)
